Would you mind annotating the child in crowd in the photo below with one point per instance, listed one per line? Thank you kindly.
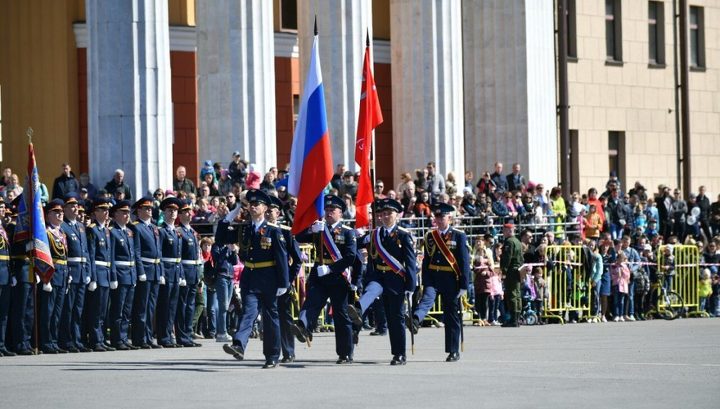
(483, 270)
(704, 290)
(642, 281)
(620, 273)
(541, 292)
(668, 267)
(596, 281)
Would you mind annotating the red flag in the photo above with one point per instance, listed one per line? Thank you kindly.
(370, 117)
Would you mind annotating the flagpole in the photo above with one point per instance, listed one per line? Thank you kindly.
(31, 268)
(372, 153)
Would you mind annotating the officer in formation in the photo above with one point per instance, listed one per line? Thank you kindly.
(23, 302)
(98, 296)
(191, 261)
(392, 273)
(445, 271)
(330, 277)
(149, 269)
(123, 275)
(510, 263)
(285, 301)
(264, 279)
(173, 277)
(52, 294)
(7, 282)
(70, 336)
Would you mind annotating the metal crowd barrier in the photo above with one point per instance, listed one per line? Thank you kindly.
(567, 283)
(687, 276)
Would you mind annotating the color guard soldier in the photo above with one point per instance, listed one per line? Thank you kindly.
(173, 277)
(336, 250)
(149, 269)
(23, 302)
(445, 271)
(392, 273)
(264, 279)
(190, 254)
(52, 296)
(7, 281)
(123, 275)
(510, 263)
(78, 277)
(285, 301)
(98, 235)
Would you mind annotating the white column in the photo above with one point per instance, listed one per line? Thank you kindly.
(427, 87)
(342, 25)
(129, 99)
(509, 73)
(236, 81)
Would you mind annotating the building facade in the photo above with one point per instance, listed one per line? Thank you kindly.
(149, 86)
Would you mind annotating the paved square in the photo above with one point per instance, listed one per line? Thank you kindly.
(655, 364)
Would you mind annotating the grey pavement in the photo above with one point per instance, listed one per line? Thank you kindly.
(655, 364)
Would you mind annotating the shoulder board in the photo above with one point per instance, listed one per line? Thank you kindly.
(92, 226)
(344, 227)
(272, 225)
(135, 222)
(456, 230)
(110, 227)
(284, 227)
(404, 230)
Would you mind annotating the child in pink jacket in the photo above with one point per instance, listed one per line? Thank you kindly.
(620, 275)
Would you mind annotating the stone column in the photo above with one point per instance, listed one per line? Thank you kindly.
(236, 81)
(427, 87)
(342, 25)
(509, 73)
(129, 99)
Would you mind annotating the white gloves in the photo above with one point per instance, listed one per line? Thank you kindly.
(409, 293)
(13, 281)
(323, 271)
(113, 285)
(162, 280)
(69, 279)
(317, 226)
(233, 214)
(236, 289)
(461, 293)
(280, 291)
(182, 282)
(87, 280)
(47, 287)
(353, 287)
(142, 277)
(92, 286)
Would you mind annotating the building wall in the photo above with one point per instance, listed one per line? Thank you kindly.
(639, 100)
(38, 85)
(184, 99)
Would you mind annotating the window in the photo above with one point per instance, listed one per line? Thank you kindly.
(697, 37)
(288, 15)
(616, 153)
(613, 30)
(296, 109)
(656, 33)
(571, 29)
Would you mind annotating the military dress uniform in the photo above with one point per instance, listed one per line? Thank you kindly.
(149, 270)
(446, 276)
(170, 251)
(285, 301)
(22, 313)
(510, 263)
(98, 294)
(70, 336)
(52, 296)
(382, 279)
(263, 252)
(7, 281)
(191, 261)
(123, 277)
(334, 283)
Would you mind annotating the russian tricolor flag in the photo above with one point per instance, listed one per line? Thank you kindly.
(311, 165)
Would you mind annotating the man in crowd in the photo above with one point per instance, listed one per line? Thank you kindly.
(499, 180)
(65, 183)
(435, 181)
(118, 182)
(516, 181)
(181, 183)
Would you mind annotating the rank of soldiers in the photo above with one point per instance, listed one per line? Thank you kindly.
(137, 280)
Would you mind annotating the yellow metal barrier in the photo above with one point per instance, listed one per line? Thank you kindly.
(687, 275)
(567, 283)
